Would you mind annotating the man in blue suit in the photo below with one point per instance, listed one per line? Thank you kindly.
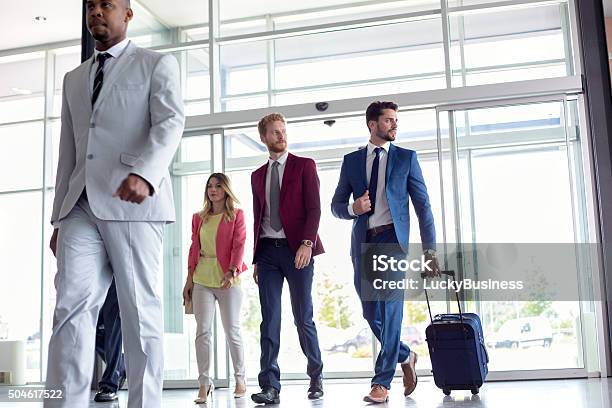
(383, 178)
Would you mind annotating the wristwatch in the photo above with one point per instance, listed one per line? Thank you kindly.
(307, 243)
(430, 251)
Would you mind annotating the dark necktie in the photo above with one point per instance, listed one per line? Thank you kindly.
(374, 180)
(99, 78)
(275, 221)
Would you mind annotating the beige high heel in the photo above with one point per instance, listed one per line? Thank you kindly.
(209, 392)
(240, 390)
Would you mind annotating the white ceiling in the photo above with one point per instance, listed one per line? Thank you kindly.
(64, 16)
(20, 29)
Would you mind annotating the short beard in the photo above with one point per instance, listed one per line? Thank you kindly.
(274, 149)
(386, 136)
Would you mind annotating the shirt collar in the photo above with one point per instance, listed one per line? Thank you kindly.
(281, 160)
(372, 146)
(116, 50)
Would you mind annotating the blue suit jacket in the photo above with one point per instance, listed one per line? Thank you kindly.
(403, 182)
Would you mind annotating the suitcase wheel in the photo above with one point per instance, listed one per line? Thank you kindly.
(446, 391)
(475, 391)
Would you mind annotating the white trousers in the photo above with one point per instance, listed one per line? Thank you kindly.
(90, 252)
(204, 310)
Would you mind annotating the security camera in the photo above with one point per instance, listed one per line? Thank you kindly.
(321, 106)
(329, 122)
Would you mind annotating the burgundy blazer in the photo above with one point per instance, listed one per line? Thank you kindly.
(300, 206)
(229, 241)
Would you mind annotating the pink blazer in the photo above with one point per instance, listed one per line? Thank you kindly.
(230, 243)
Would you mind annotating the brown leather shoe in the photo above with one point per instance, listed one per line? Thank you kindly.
(378, 394)
(410, 376)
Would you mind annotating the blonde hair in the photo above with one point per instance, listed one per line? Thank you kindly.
(272, 117)
(229, 208)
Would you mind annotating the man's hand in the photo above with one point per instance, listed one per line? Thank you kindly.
(255, 274)
(362, 205)
(188, 289)
(434, 268)
(133, 189)
(53, 242)
(302, 256)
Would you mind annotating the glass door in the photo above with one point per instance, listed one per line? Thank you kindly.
(512, 194)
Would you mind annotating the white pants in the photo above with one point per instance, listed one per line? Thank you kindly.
(90, 252)
(204, 311)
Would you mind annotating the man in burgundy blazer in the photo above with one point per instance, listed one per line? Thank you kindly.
(287, 210)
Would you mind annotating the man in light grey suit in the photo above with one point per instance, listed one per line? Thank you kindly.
(122, 120)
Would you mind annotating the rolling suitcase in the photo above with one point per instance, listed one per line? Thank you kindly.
(457, 349)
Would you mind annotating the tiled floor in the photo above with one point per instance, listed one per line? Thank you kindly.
(581, 393)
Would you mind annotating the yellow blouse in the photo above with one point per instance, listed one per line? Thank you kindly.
(208, 272)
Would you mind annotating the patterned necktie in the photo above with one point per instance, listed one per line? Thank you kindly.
(99, 78)
(374, 180)
(275, 221)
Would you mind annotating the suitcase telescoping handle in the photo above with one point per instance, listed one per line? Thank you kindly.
(451, 274)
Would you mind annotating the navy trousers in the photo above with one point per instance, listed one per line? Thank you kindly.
(275, 263)
(109, 341)
(385, 319)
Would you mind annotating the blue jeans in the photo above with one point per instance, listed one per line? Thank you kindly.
(385, 320)
(275, 263)
(109, 341)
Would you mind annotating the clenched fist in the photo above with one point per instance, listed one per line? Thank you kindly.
(362, 205)
(133, 189)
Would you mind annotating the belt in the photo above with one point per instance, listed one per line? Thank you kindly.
(372, 232)
(275, 242)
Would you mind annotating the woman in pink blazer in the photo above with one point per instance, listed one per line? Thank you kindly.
(215, 261)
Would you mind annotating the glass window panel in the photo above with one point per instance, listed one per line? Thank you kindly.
(66, 59)
(508, 44)
(195, 148)
(359, 54)
(22, 87)
(157, 22)
(348, 63)
(290, 15)
(21, 156)
(54, 134)
(531, 335)
(197, 108)
(197, 85)
(20, 240)
(235, 104)
(240, 26)
(243, 68)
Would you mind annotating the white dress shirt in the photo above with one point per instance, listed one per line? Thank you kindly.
(116, 51)
(382, 214)
(266, 229)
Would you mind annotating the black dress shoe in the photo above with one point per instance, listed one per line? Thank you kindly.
(105, 395)
(268, 395)
(316, 389)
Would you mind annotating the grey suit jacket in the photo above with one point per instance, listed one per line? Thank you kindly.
(134, 127)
